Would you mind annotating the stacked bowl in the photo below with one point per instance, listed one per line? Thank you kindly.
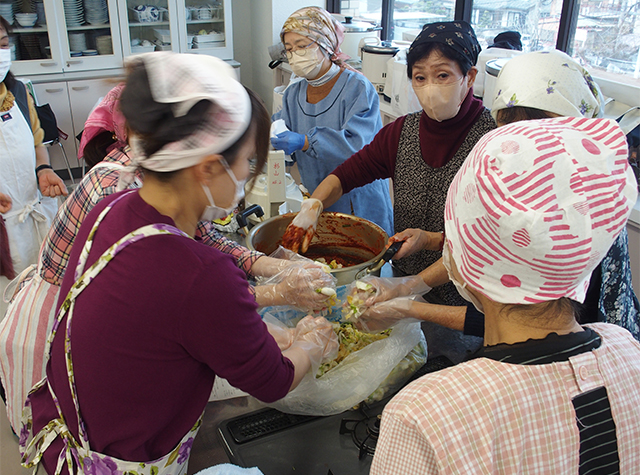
(26, 20)
(6, 11)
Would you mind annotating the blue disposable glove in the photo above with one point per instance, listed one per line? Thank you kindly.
(288, 141)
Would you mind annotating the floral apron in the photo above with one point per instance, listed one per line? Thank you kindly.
(77, 454)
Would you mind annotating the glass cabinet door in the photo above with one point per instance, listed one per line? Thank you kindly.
(91, 38)
(148, 25)
(34, 43)
(205, 27)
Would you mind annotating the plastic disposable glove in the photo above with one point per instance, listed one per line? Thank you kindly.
(282, 334)
(416, 240)
(378, 289)
(288, 141)
(385, 314)
(300, 231)
(306, 287)
(316, 337)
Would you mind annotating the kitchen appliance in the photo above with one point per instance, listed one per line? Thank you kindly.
(485, 56)
(374, 63)
(492, 69)
(354, 33)
(337, 234)
(279, 443)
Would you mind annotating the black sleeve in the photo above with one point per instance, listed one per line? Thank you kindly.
(473, 322)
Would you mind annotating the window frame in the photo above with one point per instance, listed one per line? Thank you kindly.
(463, 10)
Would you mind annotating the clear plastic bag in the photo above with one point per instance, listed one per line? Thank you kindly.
(371, 373)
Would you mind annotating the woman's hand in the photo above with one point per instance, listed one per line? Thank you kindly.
(300, 231)
(373, 290)
(5, 203)
(289, 142)
(306, 287)
(51, 184)
(385, 314)
(416, 240)
(317, 338)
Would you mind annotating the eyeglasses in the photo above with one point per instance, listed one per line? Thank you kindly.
(299, 50)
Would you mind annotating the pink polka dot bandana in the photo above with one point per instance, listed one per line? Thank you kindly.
(536, 206)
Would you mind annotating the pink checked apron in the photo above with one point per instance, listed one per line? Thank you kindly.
(24, 331)
(77, 454)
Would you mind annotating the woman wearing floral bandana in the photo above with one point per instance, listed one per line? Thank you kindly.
(422, 151)
(331, 112)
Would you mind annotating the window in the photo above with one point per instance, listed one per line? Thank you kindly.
(604, 35)
(607, 39)
(537, 21)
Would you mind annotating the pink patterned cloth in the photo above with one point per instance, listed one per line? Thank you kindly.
(489, 417)
(318, 25)
(536, 206)
(106, 117)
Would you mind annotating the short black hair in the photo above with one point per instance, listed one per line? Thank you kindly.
(423, 50)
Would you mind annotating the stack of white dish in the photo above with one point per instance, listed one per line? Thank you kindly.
(77, 41)
(104, 44)
(73, 12)
(96, 11)
(90, 52)
(26, 20)
(6, 10)
(38, 7)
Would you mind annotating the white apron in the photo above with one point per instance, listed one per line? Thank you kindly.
(31, 215)
(24, 331)
(77, 454)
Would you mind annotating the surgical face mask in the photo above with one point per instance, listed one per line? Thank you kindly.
(442, 101)
(307, 62)
(5, 62)
(460, 287)
(213, 212)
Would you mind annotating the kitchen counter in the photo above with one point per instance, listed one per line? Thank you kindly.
(208, 448)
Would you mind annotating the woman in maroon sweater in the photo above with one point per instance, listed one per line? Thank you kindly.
(422, 152)
(157, 315)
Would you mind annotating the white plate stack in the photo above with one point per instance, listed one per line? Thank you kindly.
(77, 41)
(6, 11)
(38, 7)
(96, 12)
(104, 44)
(73, 12)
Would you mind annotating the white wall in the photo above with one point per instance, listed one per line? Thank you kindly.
(256, 26)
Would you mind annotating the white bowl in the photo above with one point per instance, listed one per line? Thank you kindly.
(26, 22)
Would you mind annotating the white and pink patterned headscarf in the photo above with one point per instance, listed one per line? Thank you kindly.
(318, 25)
(536, 206)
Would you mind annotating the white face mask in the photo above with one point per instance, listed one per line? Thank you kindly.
(461, 288)
(213, 212)
(5, 62)
(307, 62)
(442, 101)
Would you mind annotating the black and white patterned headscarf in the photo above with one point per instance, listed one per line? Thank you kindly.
(458, 35)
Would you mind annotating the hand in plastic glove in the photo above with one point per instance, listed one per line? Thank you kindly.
(282, 334)
(300, 231)
(416, 240)
(316, 337)
(289, 141)
(306, 287)
(379, 289)
(385, 314)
